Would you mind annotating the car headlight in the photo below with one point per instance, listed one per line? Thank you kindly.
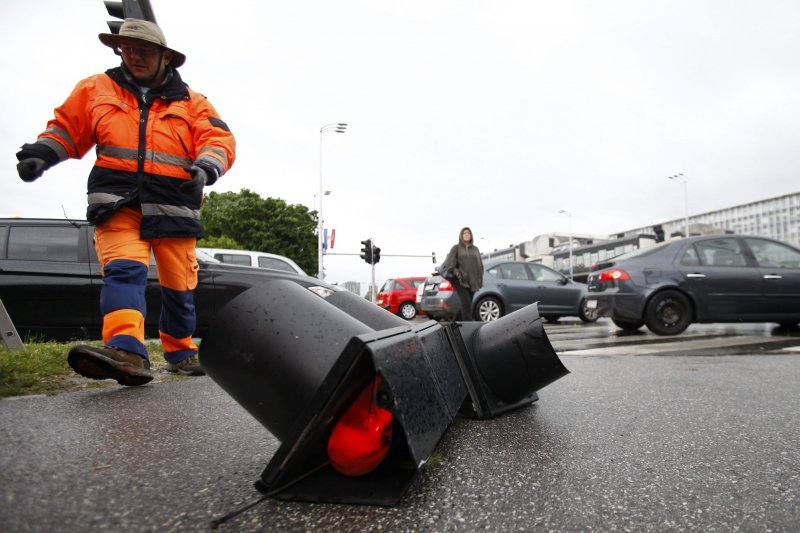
(323, 292)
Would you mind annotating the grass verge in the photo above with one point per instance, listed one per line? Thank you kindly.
(41, 368)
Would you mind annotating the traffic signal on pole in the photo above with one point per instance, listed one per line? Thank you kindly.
(366, 251)
(433, 256)
(376, 255)
(357, 397)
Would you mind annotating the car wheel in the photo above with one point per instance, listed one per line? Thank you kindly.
(586, 314)
(489, 309)
(407, 310)
(628, 325)
(668, 313)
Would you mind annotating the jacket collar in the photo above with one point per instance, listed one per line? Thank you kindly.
(173, 87)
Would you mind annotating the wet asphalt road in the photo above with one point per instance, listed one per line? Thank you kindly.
(632, 441)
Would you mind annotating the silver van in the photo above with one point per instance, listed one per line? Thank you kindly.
(254, 259)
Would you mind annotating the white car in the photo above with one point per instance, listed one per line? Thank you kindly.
(254, 259)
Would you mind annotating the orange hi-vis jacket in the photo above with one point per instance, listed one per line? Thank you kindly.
(144, 144)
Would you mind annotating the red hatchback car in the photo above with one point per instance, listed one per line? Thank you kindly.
(399, 296)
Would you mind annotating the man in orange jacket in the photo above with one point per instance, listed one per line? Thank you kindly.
(158, 143)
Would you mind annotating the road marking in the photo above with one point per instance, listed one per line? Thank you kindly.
(679, 345)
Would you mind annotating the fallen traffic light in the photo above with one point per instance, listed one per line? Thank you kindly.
(358, 398)
(299, 369)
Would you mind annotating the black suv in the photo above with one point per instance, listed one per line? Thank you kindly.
(50, 281)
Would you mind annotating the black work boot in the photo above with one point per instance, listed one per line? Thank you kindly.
(110, 363)
(188, 367)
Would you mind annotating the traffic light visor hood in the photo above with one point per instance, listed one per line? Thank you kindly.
(142, 30)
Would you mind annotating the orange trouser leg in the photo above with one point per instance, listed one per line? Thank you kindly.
(177, 274)
(124, 258)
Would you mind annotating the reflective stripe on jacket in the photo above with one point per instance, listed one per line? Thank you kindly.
(144, 143)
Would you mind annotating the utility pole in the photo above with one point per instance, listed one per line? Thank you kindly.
(373, 289)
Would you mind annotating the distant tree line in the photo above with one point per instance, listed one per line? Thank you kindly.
(245, 221)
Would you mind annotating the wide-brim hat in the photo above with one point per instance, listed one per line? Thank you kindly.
(142, 30)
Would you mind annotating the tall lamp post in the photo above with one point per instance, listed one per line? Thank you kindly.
(683, 179)
(335, 127)
(321, 222)
(569, 215)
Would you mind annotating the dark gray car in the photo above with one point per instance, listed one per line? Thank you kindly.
(712, 278)
(508, 286)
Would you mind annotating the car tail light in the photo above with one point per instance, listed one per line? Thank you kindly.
(445, 285)
(613, 275)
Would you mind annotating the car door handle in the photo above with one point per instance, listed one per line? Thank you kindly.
(772, 276)
(696, 276)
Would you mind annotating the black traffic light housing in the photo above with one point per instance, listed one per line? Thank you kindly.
(295, 370)
(296, 359)
(122, 9)
(136, 9)
(376, 255)
(366, 251)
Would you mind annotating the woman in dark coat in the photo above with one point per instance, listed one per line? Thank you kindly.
(464, 262)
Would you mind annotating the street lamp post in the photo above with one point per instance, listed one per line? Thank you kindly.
(321, 222)
(683, 179)
(569, 215)
(336, 127)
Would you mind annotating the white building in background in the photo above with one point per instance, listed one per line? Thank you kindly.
(352, 286)
(775, 218)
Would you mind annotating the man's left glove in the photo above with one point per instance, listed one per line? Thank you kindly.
(198, 181)
(31, 168)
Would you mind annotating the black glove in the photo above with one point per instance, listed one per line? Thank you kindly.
(198, 181)
(31, 168)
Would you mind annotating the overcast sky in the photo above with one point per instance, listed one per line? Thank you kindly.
(492, 114)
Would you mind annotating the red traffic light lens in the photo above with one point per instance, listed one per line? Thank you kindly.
(361, 438)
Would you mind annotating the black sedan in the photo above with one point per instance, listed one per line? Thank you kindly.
(508, 286)
(50, 281)
(713, 278)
